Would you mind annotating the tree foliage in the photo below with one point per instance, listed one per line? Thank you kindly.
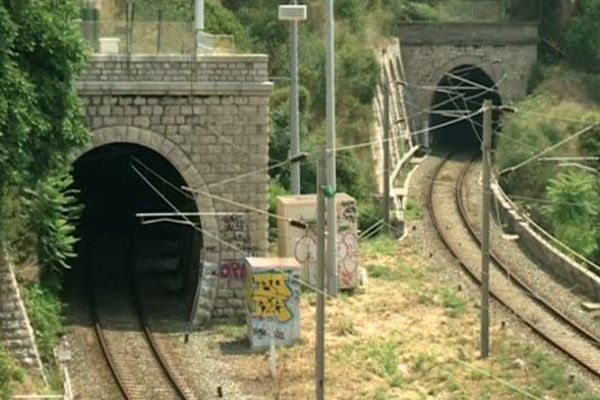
(573, 210)
(582, 40)
(41, 56)
(9, 373)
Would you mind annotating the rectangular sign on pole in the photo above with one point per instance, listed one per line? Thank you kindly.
(292, 13)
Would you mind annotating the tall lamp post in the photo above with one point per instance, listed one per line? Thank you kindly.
(294, 13)
(198, 19)
(332, 276)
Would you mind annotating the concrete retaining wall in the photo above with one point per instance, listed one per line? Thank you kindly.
(565, 268)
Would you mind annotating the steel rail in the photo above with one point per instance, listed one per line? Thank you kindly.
(515, 278)
(557, 314)
(105, 349)
(158, 354)
(148, 335)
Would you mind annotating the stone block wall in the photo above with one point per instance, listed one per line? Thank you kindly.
(16, 334)
(209, 117)
(506, 52)
(176, 68)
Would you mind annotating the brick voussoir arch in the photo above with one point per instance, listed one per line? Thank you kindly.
(173, 154)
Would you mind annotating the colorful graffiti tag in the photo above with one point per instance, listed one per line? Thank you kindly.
(235, 270)
(269, 296)
(305, 248)
(347, 244)
(273, 308)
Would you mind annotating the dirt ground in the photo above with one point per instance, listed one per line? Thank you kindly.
(408, 334)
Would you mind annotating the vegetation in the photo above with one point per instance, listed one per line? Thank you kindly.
(45, 314)
(573, 210)
(387, 343)
(562, 198)
(8, 374)
(41, 56)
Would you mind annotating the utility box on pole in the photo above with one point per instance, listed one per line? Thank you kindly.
(302, 244)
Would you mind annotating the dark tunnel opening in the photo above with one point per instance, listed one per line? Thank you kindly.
(116, 244)
(461, 92)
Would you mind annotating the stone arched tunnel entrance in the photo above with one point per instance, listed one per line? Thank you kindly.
(498, 56)
(460, 93)
(118, 182)
(198, 122)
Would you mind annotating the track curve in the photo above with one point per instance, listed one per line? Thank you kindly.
(460, 237)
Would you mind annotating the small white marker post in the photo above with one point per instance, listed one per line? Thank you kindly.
(273, 351)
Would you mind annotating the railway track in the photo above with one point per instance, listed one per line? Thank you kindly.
(139, 368)
(452, 223)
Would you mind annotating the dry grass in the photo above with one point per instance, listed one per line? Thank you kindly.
(406, 336)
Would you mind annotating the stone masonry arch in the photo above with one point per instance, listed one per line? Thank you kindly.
(180, 161)
(506, 52)
(474, 61)
(208, 116)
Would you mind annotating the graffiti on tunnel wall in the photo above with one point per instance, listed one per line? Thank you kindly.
(233, 270)
(235, 231)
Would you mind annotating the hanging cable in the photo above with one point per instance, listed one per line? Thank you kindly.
(547, 150)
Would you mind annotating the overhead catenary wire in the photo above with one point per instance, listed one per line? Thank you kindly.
(397, 137)
(187, 221)
(548, 149)
(291, 221)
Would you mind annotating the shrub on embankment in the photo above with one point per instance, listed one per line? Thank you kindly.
(41, 124)
(9, 374)
(563, 197)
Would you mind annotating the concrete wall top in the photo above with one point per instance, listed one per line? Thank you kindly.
(465, 33)
(176, 74)
(99, 57)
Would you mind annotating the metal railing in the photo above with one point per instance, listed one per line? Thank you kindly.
(137, 28)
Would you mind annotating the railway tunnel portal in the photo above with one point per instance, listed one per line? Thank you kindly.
(161, 122)
(448, 69)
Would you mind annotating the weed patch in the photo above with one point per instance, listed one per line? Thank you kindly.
(45, 313)
(233, 330)
(8, 374)
(381, 246)
(412, 211)
(383, 356)
(454, 305)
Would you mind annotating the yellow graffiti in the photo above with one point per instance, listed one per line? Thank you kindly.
(269, 296)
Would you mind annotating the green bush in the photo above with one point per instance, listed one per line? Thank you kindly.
(275, 190)
(574, 209)
(8, 374)
(369, 213)
(51, 208)
(583, 41)
(592, 86)
(45, 313)
(41, 57)
(220, 20)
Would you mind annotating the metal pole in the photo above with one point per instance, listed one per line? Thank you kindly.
(198, 20)
(159, 33)
(332, 276)
(320, 338)
(294, 106)
(386, 155)
(485, 242)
